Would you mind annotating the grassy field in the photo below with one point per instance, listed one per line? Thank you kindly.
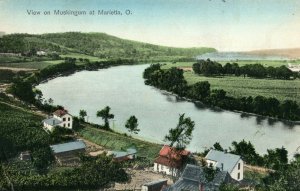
(117, 141)
(265, 63)
(239, 86)
(31, 65)
(83, 56)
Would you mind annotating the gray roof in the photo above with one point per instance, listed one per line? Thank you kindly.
(52, 121)
(70, 146)
(228, 160)
(157, 182)
(118, 154)
(194, 176)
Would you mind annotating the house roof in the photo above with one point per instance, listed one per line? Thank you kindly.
(60, 112)
(52, 121)
(167, 162)
(157, 182)
(194, 176)
(172, 152)
(70, 146)
(228, 160)
(119, 154)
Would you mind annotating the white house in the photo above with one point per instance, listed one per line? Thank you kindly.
(61, 118)
(231, 163)
(170, 160)
(41, 53)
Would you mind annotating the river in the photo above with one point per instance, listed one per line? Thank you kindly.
(123, 89)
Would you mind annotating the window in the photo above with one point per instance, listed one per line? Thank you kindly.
(239, 166)
(64, 119)
(238, 176)
(68, 124)
(162, 167)
(69, 119)
(64, 125)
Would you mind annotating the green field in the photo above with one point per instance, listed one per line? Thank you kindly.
(117, 141)
(265, 63)
(240, 86)
(31, 65)
(83, 56)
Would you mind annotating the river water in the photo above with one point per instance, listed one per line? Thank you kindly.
(123, 89)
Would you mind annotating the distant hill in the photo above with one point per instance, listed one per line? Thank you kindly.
(293, 53)
(100, 45)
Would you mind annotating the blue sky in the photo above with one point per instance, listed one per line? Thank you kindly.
(230, 25)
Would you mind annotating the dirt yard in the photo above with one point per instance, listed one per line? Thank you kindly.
(140, 177)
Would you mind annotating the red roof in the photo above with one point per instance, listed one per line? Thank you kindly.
(168, 151)
(170, 156)
(60, 112)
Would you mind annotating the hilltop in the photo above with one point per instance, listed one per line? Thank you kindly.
(98, 45)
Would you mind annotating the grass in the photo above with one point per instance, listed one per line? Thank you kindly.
(240, 86)
(31, 65)
(83, 56)
(116, 141)
(266, 63)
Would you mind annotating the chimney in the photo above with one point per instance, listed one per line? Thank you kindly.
(53, 121)
(222, 166)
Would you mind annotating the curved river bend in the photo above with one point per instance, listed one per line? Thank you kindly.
(122, 88)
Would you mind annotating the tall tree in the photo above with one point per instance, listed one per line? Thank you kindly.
(132, 125)
(181, 135)
(82, 114)
(105, 115)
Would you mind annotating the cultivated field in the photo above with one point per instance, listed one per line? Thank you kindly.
(240, 86)
(115, 141)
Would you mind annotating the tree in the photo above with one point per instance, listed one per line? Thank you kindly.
(217, 146)
(82, 114)
(200, 90)
(182, 134)
(132, 125)
(105, 115)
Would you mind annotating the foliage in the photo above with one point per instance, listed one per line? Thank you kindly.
(210, 68)
(173, 80)
(105, 115)
(95, 44)
(94, 172)
(115, 141)
(82, 114)
(23, 90)
(182, 134)
(247, 151)
(20, 130)
(286, 178)
(132, 125)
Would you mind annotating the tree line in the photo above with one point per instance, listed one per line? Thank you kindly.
(213, 68)
(173, 80)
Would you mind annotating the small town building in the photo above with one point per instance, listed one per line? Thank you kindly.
(25, 156)
(120, 156)
(67, 153)
(170, 160)
(157, 185)
(194, 178)
(233, 164)
(60, 118)
(41, 53)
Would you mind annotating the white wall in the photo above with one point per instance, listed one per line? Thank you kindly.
(68, 123)
(235, 171)
(49, 127)
(164, 169)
